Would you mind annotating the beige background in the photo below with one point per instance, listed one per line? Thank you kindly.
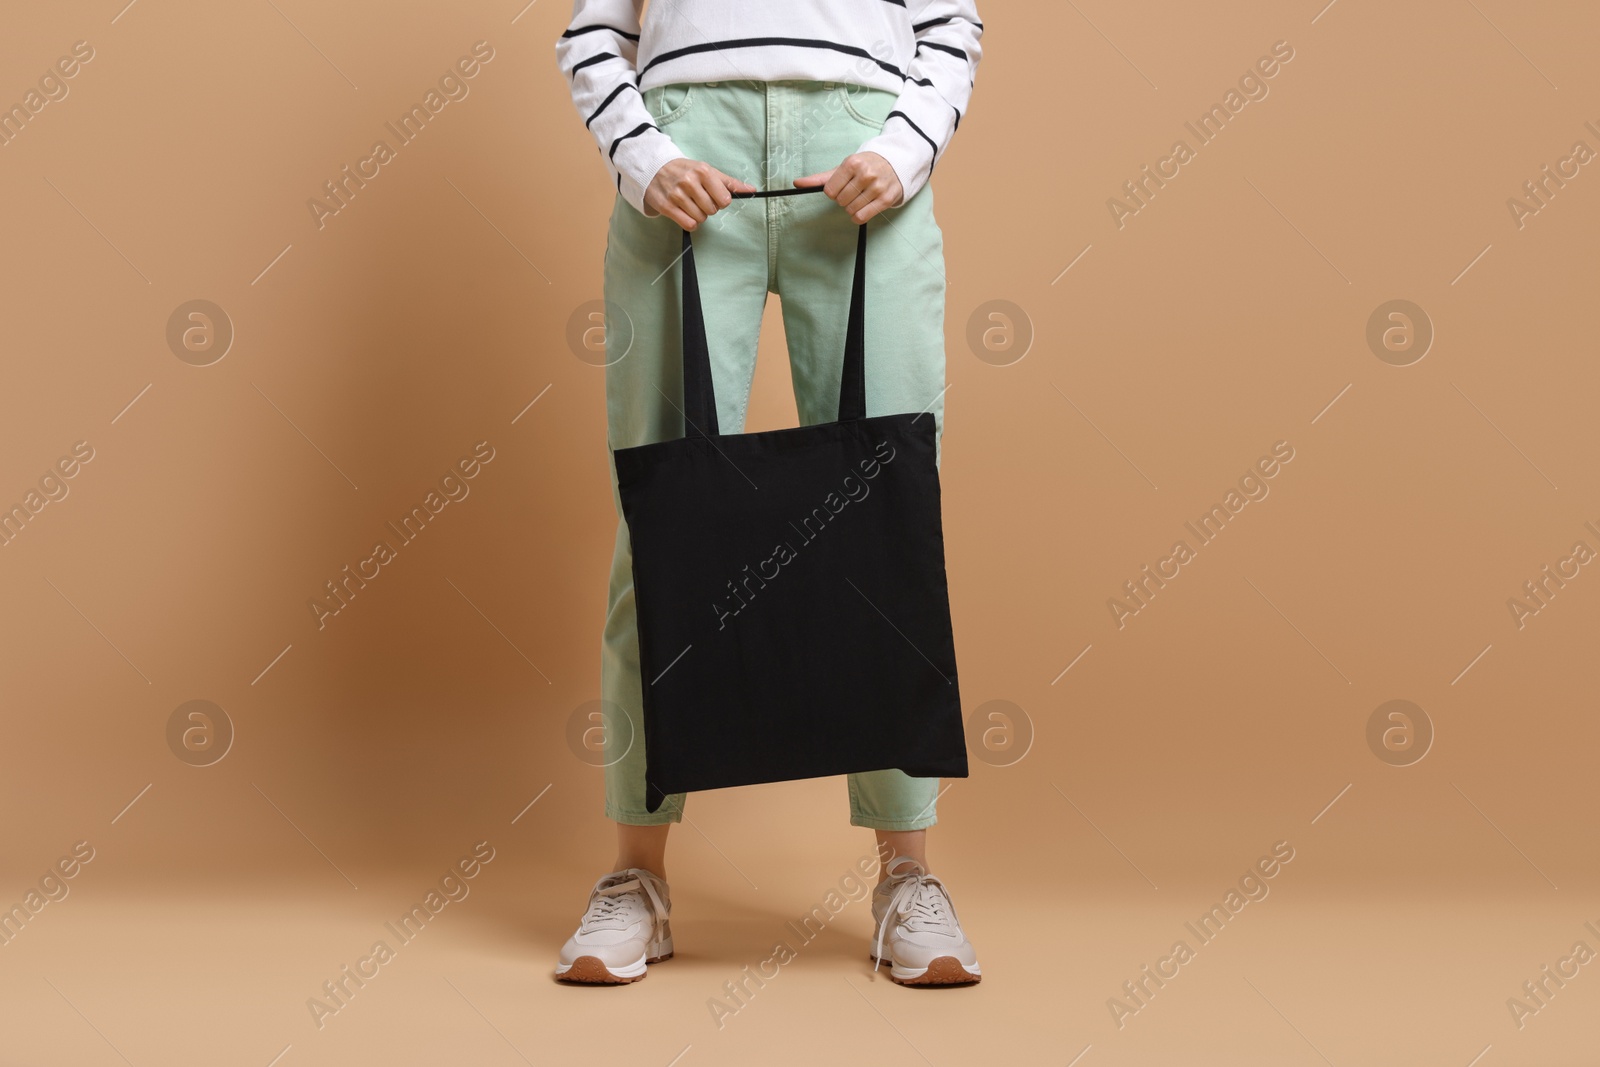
(434, 308)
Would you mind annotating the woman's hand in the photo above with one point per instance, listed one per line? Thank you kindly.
(688, 191)
(864, 184)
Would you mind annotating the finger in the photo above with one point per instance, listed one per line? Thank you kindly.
(819, 178)
(738, 185)
(702, 196)
(688, 208)
(854, 190)
(687, 194)
(858, 202)
(885, 188)
(876, 205)
(665, 208)
(672, 212)
(840, 180)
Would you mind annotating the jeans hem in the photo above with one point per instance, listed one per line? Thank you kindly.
(874, 823)
(644, 818)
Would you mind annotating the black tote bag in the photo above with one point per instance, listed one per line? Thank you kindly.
(793, 614)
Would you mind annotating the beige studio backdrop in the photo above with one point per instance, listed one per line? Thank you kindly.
(1339, 347)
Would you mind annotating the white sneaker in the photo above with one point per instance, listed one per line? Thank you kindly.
(624, 929)
(918, 933)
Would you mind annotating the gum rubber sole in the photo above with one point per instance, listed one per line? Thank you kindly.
(589, 970)
(944, 970)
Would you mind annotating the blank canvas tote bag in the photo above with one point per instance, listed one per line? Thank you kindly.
(793, 615)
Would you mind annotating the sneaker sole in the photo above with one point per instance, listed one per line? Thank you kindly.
(944, 970)
(591, 970)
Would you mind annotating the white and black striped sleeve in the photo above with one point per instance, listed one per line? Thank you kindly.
(598, 54)
(936, 93)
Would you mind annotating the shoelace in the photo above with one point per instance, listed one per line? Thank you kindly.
(607, 910)
(921, 902)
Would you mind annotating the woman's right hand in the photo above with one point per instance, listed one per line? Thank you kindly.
(688, 191)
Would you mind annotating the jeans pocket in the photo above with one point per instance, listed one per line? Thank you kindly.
(866, 105)
(667, 103)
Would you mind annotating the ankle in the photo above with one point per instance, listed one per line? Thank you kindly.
(900, 863)
(655, 867)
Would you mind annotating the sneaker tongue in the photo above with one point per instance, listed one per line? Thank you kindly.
(904, 865)
(927, 908)
(636, 875)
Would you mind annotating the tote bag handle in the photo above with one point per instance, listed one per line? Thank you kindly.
(699, 397)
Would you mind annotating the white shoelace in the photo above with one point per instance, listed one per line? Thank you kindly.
(610, 906)
(919, 902)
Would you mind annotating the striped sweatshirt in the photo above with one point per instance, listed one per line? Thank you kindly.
(924, 51)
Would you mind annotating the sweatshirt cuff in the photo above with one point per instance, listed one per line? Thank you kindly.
(654, 151)
(908, 154)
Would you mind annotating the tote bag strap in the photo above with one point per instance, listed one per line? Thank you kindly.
(699, 396)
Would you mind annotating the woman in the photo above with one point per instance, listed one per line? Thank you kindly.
(707, 98)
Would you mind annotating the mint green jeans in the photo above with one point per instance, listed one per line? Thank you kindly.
(803, 249)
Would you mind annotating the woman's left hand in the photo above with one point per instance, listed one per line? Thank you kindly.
(864, 184)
